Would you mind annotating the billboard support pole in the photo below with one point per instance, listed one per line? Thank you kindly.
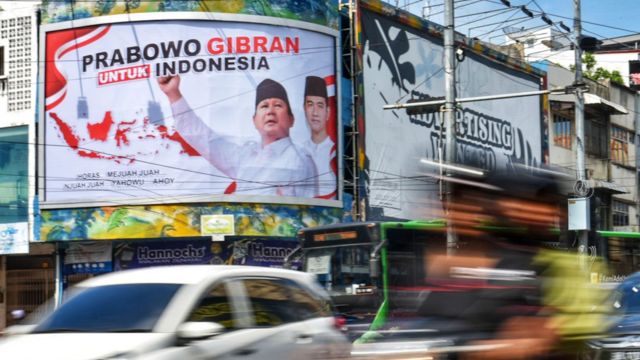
(431, 103)
(449, 112)
(358, 214)
(579, 114)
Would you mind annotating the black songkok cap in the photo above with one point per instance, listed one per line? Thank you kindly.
(268, 89)
(315, 86)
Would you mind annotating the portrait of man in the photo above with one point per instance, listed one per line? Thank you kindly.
(320, 146)
(272, 166)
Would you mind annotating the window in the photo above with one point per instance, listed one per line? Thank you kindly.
(13, 177)
(596, 138)
(562, 131)
(215, 307)
(306, 305)
(270, 302)
(620, 213)
(620, 139)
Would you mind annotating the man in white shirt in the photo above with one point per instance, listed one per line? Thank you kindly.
(320, 146)
(272, 167)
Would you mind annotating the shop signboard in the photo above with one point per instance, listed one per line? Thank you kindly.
(173, 111)
(14, 238)
(218, 226)
(88, 258)
(255, 251)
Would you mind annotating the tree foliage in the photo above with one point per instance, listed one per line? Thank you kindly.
(597, 73)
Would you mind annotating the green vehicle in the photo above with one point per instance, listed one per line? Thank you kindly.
(372, 269)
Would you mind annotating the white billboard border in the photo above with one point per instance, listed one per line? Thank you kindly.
(217, 198)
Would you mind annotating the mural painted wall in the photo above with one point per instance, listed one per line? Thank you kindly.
(158, 221)
(322, 12)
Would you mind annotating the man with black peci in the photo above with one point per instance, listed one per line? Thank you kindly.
(320, 146)
(274, 166)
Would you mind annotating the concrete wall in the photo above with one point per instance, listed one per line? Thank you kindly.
(625, 97)
(617, 61)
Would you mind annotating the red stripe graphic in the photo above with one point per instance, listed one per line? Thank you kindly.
(328, 196)
(88, 41)
(55, 81)
(57, 102)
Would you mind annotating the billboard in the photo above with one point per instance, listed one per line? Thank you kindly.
(401, 64)
(634, 74)
(173, 110)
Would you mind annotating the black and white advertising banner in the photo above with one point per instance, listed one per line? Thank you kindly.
(177, 108)
(400, 65)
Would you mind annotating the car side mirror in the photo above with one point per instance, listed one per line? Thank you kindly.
(196, 330)
(374, 267)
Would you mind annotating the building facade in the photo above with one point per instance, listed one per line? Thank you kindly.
(610, 155)
(25, 280)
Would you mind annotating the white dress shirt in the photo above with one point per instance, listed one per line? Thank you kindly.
(322, 155)
(276, 169)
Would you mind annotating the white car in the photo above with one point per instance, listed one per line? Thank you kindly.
(186, 312)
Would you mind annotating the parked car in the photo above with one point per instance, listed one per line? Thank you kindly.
(622, 340)
(186, 312)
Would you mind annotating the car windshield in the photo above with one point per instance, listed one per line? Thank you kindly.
(113, 308)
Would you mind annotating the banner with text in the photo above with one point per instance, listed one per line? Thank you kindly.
(160, 109)
(88, 258)
(401, 64)
(233, 251)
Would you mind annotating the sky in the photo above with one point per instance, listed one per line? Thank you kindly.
(601, 18)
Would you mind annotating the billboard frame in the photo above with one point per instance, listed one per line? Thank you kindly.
(169, 199)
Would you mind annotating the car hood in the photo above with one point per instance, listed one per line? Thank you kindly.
(78, 346)
(627, 324)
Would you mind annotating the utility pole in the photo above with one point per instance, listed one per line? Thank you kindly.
(579, 114)
(449, 111)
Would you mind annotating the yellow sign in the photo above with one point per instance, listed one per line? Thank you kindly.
(217, 225)
(343, 235)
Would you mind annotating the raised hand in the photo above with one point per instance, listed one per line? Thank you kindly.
(170, 85)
